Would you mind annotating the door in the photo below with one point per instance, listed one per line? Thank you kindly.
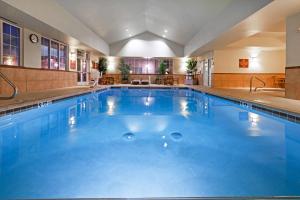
(82, 67)
(207, 72)
(82, 71)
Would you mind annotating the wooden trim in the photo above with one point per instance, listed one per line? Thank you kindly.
(149, 74)
(250, 73)
(32, 68)
(293, 67)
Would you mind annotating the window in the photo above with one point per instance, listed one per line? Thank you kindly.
(54, 54)
(45, 53)
(10, 44)
(63, 57)
(148, 65)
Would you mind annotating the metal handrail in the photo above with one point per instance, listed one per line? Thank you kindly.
(251, 83)
(15, 92)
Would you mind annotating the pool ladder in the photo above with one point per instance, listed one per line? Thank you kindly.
(15, 89)
(251, 83)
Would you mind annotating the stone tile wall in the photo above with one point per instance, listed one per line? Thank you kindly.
(292, 83)
(241, 80)
(34, 80)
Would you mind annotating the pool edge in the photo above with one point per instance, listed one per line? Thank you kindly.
(277, 112)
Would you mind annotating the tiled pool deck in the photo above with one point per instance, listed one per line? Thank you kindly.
(272, 102)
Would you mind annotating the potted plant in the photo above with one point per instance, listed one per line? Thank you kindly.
(191, 70)
(162, 68)
(161, 71)
(125, 71)
(102, 65)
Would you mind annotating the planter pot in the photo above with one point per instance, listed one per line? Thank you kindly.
(188, 82)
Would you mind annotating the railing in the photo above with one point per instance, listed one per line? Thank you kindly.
(251, 83)
(15, 92)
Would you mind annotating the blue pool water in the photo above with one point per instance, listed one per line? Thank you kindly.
(147, 143)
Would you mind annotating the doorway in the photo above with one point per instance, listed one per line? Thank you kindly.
(207, 72)
(82, 68)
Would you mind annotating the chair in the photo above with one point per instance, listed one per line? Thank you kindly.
(159, 79)
(145, 82)
(169, 80)
(135, 82)
(279, 82)
(107, 81)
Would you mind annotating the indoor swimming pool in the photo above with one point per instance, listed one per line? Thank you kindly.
(147, 143)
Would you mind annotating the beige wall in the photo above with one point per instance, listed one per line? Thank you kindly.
(31, 51)
(293, 40)
(227, 61)
(293, 57)
(179, 65)
(113, 65)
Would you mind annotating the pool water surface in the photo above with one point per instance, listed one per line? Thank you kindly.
(147, 143)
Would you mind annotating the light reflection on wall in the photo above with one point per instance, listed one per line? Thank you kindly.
(146, 48)
(111, 105)
(183, 64)
(112, 63)
(254, 63)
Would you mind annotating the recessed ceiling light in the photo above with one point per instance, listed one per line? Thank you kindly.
(130, 35)
(127, 29)
(165, 30)
(164, 36)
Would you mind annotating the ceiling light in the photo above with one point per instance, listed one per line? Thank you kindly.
(165, 30)
(130, 35)
(164, 36)
(127, 29)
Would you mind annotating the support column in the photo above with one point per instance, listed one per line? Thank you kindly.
(292, 71)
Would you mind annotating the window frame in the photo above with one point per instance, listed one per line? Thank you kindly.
(2, 21)
(66, 56)
(49, 56)
(48, 61)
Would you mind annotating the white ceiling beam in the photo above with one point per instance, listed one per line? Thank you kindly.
(235, 12)
(56, 16)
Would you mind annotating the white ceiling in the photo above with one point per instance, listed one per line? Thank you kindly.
(265, 29)
(267, 41)
(110, 18)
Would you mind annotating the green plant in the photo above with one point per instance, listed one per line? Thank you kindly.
(102, 65)
(162, 67)
(191, 67)
(125, 71)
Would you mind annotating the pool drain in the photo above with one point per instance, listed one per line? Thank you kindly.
(129, 136)
(176, 136)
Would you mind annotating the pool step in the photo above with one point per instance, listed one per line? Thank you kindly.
(6, 122)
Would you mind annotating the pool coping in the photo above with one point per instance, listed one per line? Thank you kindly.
(184, 198)
(277, 112)
(10, 110)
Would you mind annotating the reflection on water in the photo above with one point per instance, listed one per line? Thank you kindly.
(72, 116)
(137, 143)
(254, 128)
(111, 105)
(184, 108)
